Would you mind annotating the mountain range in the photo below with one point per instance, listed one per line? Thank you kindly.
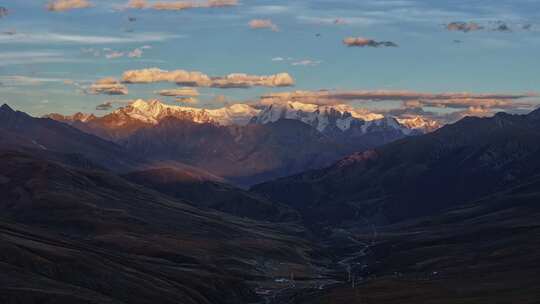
(448, 217)
(71, 235)
(63, 144)
(421, 175)
(242, 143)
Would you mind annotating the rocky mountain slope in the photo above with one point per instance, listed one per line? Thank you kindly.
(420, 175)
(330, 120)
(208, 193)
(279, 140)
(45, 136)
(64, 144)
(78, 236)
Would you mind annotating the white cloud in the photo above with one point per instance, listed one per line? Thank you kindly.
(360, 21)
(306, 62)
(114, 55)
(269, 9)
(50, 37)
(33, 57)
(19, 80)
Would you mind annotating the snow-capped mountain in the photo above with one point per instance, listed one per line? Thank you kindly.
(154, 111)
(82, 117)
(242, 142)
(422, 124)
(330, 119)
(326, 119)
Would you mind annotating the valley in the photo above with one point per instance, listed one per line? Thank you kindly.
(348, 233)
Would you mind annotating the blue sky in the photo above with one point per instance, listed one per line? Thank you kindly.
(46, 57)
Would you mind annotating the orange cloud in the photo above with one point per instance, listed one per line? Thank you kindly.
(152, 75)
(263, 24)
(198, 79)
(409, 99)
(185, 92)
(246, 81)
(108, 86)
(180, 5)
(66, 5)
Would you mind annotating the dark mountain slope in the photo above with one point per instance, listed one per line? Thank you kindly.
(66, 145)
(203, 192)
(483, 252)
(79, 236)
(246, 154)
(42, 135)
(419, 175)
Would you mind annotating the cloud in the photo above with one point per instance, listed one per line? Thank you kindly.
(464, 27)
(306, 62)
(104, 106)
(135, 53)
(496, 26)
(184, 92)
(198, 79)
(364, 42)
(269, 9)
(19, 80)
(153, 75)
(408, 98)
(458, 103)
(66, 5)
(415, 109)
(91, 51)
(33, 57)
(297, 62)
(327, 21)
(51, 37)
(263, 24)
(107, 86)
(239, 80)
(114, 55)
(137, 4)
(180, 5)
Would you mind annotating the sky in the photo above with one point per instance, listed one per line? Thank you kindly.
(53, 54)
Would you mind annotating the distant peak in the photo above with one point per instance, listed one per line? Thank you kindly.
(6, 108)
(139, 103)
(535, 114)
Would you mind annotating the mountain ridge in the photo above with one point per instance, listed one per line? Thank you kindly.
(419, 175)
(335, 118)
